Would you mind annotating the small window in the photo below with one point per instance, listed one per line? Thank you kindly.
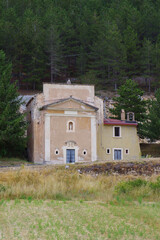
(116, 131)
(57, 152)
(70, 126)
(131, 117)
(84, 152)
(108, 151)
(127, 151)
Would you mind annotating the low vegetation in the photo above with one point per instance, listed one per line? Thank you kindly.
(68, 184)
(8, 162)
(58, 203)
(48, 219)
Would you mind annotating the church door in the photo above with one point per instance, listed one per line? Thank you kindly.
(70, 154)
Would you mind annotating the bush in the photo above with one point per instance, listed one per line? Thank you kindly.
(155, 185)
(2, 188)
(125, 187)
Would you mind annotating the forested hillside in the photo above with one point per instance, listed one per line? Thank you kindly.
(95, 41)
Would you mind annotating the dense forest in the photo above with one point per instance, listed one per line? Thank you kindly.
(94, 41)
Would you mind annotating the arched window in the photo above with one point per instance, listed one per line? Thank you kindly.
(130, 116)
(70, 126)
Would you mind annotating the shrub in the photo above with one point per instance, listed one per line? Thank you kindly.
(128, 186)
(155, 185)
(2, 188)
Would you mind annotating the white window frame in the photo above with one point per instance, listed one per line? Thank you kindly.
(128, 151)
(84, 150)
(70, 121)
(76, 148)
(119, 131)
(121, 153)
(56, 150)
(109, 151)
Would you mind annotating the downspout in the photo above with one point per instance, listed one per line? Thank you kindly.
(104, 114)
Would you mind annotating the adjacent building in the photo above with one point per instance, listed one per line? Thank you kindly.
(118, 140)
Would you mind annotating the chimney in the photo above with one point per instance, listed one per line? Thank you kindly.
(123, 115)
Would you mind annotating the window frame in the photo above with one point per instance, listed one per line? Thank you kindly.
(109, 151)
(70, 121)
(120, 132)
(56, 150)
(126, 150)
(84, 150)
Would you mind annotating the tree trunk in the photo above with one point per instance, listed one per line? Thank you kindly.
(52, 67)
(149, 85)
(7, 3)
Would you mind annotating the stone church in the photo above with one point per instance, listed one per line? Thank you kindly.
(66, 125)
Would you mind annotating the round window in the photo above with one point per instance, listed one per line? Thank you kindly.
(84, 152)
(57, 152)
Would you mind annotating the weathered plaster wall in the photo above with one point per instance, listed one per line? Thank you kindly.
(70, 104)
(36, 130)
(100, 113)
(54, 92)
(81, 136)
(30, 136)
(55, 124)
(128, 140)
(99, 120)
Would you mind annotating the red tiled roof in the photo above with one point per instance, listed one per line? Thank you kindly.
(110, 121)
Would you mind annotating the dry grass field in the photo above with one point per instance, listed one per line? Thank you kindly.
(59, 203)
(59, 183)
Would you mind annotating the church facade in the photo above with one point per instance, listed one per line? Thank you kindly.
(66, 125)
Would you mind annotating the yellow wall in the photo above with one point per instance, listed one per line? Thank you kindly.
(128, 140)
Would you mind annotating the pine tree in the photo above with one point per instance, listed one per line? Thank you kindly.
(132, 51)
(156, 61)
(12, 123)
(151, 127)
(108, 55)
(53, 44)
(147, 61)
(130, 99)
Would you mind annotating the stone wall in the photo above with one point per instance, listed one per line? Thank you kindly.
(150, 149)
(146, 168)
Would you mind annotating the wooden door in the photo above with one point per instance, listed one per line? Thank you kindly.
(117, 154)
(70, 155)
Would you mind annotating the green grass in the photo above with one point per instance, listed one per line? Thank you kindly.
(51, 219)
(12, 161)
(55, 203)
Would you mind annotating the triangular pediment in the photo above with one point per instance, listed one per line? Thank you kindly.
(71, 104)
